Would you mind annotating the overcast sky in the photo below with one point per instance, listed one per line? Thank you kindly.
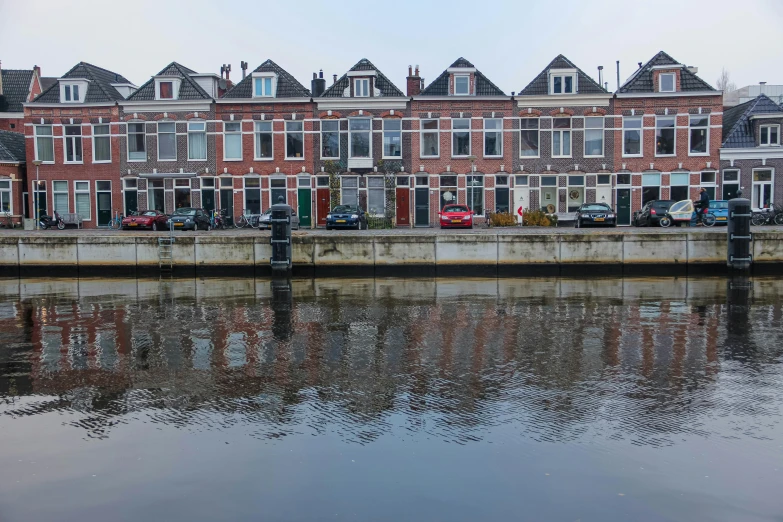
(510, 42)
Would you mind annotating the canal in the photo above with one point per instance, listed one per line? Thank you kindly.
(391, 399)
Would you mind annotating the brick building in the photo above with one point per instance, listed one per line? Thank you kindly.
(13, 161)
(264, 147)
(17, 87)
(361, 127)
(72, 138)
(751, 157)
(167, 141)
(562, 144)
(461, 143)
(668, 125)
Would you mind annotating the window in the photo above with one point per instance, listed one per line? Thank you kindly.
(430, 138)
(761, 196)
(182, 193)
(548, 181)
(461, 85)
(392, 138)
(167, 141)
(5, 195)
(769, 135)
(361, 87)
(197, 140)
(294, 139)
(521, 181)
(604, 179)
(73, 143)
(561, 137)
(665, 136)
(359, 134)
(44, 144)
(263, 87)
(731, 176)
(350, 191)
(263, 140)
(708, 178)
(156, 197)
(475, 193)
(493, 137)
(594, 136)
(666, 82)
(277, 189)
(730, 184)
(81, 191)
(460, 137)
(253, 194)
(60, 197)
(130, 190)
(698, 134)
(166, 90)
(632, 136)
(232, 140)
(623, 179)
(137, 149)
(563, 83)
(448, 190)
(70, 93)
(330, 139)
(651, 187)
(679, 183)
(376, 200)
(101, 144)
(528, 137)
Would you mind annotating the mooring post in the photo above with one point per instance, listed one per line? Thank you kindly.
(738, 255)
(281, 237)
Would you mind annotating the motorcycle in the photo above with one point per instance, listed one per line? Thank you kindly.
(49, 221)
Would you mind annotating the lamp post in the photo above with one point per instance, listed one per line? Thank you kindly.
(37, 164)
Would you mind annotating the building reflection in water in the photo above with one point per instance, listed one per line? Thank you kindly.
(556, 359)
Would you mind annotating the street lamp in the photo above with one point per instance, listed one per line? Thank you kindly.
(37, 164)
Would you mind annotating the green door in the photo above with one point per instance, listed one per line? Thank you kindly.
(131, 202)
(624, 206)
(208, 199)
(305, 207)
(104, 208)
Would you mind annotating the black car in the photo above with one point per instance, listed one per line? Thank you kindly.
(652, 212)
(595, 214)
(188, 218)
(346, 216)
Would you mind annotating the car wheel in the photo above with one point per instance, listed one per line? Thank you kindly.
(154, 227)
(328, 227)
(578, 223)
(195, 227)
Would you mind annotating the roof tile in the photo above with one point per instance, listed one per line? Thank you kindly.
(540, 84)
(189, 89)
(382, 83)
(440, 86)
(16, 88)
(100, 90)
(287, 85)
(737, 125)
(12, 147)
(642, 79)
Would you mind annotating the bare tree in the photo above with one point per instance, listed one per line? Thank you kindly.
(724, 83)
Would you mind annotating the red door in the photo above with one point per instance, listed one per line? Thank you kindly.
(403, 206)
(322, 205)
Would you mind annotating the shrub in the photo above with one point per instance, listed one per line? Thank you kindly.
(538, 218)
(502, 219)
(379, 222)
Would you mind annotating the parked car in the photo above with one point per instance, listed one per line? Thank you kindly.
(266, 216)
(456, 216)
(595, 214)
(188, 218)
(652, 212)
(346, 216)
(720, 209)
(150, 219)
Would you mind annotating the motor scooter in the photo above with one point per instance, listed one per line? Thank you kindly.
(49, 221)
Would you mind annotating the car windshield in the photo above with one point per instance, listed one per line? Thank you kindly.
(149, 213)
(456, 208)
(662, 204)
(185, 212)
(598, 206)
(719, 204)
(345, 208)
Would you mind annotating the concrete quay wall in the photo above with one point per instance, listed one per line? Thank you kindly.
(387, 254)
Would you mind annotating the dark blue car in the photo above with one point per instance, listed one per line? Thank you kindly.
(346, 216)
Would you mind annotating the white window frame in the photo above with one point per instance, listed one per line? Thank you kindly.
(381, 189)
(393, 131)
(657, 128)
(601, 130)
(754, 183)
(99, 137)
(422, 132)
(49, 137)
(191, 132)
(538, 137)
(302, 132)
(467, 78)
(234, 134)
(260, 189)
(337, 122)
(562, 132)
(343, 187)
(350, 137)
(707, 136)
(768, 128)
(641, 136)
(563, 74)
(454, 131)
(67, 192)
(158, 133)
(660, 82)
(77, 192)
(73, 91)
(731, 181)
(256, 132)
(272, 85)
(175, 83)
(361, 87)
(518, 180)
(73, 140)
(499, 131)
(127, 139)
(469, 191)
(5, 195)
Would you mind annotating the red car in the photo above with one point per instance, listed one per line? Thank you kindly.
(151, 219)
(456, 216)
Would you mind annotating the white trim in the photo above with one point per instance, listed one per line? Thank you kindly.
(754, 153)
(674, 82)
(12, 115)
(111, 198)
(454, 79)
(264, 101)
(562, 132)
(69, 83)
(707, 153)
(271, 131)
(563, 74)
(166, 106)
(769, 144)
(461, 70)
(351, 74)
(10, 191)
(565, 100)
(663, 67)
(771, 115)
(538, 136)
(369, 132)
(35, 143)
(753, 184)
(657, 117)
(240, 134)
(500, 131)
(430, 131)
(285, 128)
(364, 82)
(261, 76)
(321, 139)
(603, 137)
(641, 137)
(383, 138)
(668, 94)
(157, 138)
(67, 193)
(73, 138)
(144, 140)
(204, 132)
(452, 131)
(373, 103)
(175, 81)
(89, 195)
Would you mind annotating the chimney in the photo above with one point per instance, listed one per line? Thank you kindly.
(228, 71)
(640, 65)
(618, 75)
(243, 65)
(414, 81)
(692, 69)
(334, 79)
(318, 85)
(37, 70)
(600, 75)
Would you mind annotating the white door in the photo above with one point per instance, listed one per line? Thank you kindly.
(521, 199)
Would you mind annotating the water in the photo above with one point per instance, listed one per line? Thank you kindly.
(634, 399)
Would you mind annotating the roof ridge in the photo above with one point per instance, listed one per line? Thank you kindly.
(378, 72)
(88, 67)
(192, 82)
(563, 57)
(742, 118)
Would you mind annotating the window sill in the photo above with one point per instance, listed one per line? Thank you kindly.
(101, 162)
(494, 157)
(294, 159)
(330, 159)
(73, 163)
(233, 159)
(392, 158)
(666, 155)
(529, 157)
(166, 160)
(601, 156)
(263, 159)
(199, 159)
(137, 161)
(562, 157)
(46, 162)
(460, 157)
(429, 157)
(698, 154)
(632, 155)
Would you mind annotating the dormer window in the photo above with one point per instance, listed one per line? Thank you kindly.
(264, 85)
(361, 87)
(666, 82)
(461, 85)
(769, 135)
(562, 82)
(73, 92)
(167, 88)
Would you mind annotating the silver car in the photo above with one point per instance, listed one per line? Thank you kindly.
(263, 220)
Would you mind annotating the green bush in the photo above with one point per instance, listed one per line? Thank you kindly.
(538, 218)
(502, 219)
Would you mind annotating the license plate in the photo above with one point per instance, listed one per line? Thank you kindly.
(133, 224)
(598, 219)
(456, 221)
(720, 219)
(340, 221)
(179, 224)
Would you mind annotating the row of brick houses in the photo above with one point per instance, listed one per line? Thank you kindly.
(97, 144)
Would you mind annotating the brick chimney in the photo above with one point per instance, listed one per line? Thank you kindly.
(414, 81)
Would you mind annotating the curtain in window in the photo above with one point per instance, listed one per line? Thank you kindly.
(102, 148)
(83, 204)
(197, 145)
(233, 146)
(60, 196)
(45, 143)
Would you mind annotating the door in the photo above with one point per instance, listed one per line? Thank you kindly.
(305, 204)
(624, 206)
(131, 202)
(39, 199)
(227, 203)
(208, 199)
(403, 206)
(521, 200)
(422, 207)
(730, 190)
(322, 205)
(501, 199)
(104, 208)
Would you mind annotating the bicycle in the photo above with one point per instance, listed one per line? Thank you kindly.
(768, 216)
(116, 221)
(246, 220)
(707, 219)
(9, 222)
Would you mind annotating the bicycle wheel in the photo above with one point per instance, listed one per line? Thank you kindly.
(779, 219)
(114, 224)
(241, 222)
(758, 219)
(708, 220)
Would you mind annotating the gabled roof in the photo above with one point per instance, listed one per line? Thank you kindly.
(540, 84)
(12, 147)
(440, 86)
(737, 125)
(16, 88)
(99, 91)
(189, 89)
(287, 85)
(642, 79)
(382, 83)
